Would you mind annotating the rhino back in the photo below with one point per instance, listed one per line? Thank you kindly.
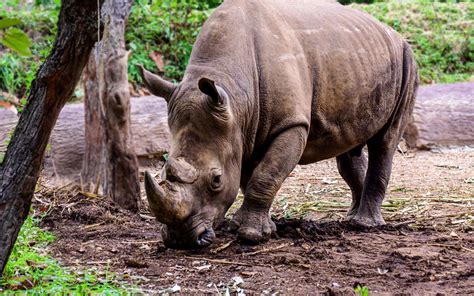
(322, 65)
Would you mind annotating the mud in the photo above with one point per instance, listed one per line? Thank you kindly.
(320, 254)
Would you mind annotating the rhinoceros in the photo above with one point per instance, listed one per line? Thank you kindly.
(271, 84)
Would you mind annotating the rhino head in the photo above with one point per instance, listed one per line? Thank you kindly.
(201, 177)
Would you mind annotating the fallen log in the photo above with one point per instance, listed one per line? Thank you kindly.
(64, 155)
(443, 116)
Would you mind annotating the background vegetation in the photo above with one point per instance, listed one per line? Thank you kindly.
(440, 33)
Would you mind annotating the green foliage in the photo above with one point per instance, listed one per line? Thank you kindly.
(17, 72)
(14, 38)
(170, 30)
(361, 290)
(439, 33)
(30, 270)
(8, 22)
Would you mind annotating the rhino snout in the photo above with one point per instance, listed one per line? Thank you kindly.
(206, 238)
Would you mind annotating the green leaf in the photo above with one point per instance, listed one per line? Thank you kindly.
(9, 22)
(18, 41)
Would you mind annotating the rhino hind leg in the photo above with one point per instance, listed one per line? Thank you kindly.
(252, 221)
(383, 145)
(352, 167)
(369, 212)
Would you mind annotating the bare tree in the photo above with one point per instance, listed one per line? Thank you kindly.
(53, 86)
(110, 159)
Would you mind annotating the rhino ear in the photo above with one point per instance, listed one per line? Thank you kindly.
(208, 87)
(157, 85)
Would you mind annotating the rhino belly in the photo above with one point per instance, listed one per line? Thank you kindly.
(344, 122)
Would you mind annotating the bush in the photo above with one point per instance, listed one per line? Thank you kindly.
(167, 29)
(17, 72)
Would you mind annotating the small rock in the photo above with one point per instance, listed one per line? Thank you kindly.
(171, 290)
(203, 268)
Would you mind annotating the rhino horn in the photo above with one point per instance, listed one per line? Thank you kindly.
(166, 206)
(157, 85)
(180, 170)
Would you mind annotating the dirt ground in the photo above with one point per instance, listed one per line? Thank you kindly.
(426, 248)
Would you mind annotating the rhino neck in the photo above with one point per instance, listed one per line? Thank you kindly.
(225, 48)
(243, 98)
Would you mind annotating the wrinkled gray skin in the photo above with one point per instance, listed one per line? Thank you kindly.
(271, 84)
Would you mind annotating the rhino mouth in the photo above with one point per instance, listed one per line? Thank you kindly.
(194, 238)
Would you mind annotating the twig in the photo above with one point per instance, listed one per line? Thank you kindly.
(222, 247)
(97, 184)
(62, 187)
(467, 249)
(445, 246)
(98, 262)
(142, 242)
(222, 261)
(404, 223)
(93, 225)
(40, 200)
(89, 194)
(147, 216)
(264, 250)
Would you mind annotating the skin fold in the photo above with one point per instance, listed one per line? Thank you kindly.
(272, 84)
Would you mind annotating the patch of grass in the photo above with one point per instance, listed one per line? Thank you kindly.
(440, 34)
(31, 270)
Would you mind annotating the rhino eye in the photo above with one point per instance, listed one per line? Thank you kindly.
(216, 179)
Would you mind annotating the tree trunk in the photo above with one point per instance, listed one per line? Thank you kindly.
(53, 86)
(93, 171)
(122, 181)
(110, 158)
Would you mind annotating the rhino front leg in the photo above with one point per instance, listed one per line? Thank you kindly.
(352, 166)
(252, 221)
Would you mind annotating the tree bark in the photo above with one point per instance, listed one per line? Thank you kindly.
(53, 86)
(93, 172)
(109, 158)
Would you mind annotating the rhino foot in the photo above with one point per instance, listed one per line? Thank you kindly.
(252, 227)
(367, 220)
(352, 212)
